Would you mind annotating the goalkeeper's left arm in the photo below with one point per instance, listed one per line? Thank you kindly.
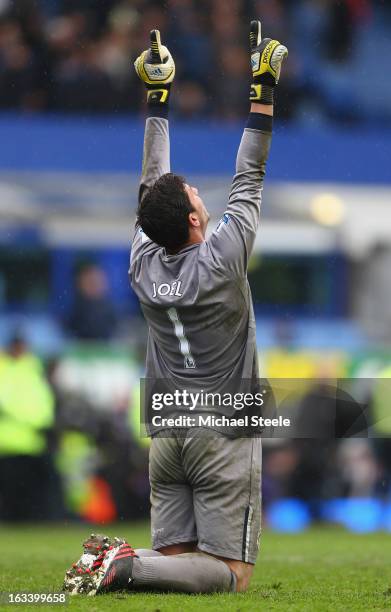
(156, 68)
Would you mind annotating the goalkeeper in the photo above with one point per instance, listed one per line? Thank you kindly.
(194, 293)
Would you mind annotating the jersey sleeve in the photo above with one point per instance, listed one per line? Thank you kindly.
(232, 241)
(156, 162)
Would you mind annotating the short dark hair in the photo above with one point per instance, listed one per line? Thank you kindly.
(164, 210)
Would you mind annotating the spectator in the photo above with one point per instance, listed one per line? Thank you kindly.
(76, 55)
(27, 475)
(93, 316)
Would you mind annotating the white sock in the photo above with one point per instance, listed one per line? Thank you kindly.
(147, 552)
(186, 573)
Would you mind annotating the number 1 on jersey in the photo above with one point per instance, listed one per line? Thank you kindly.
(184, 345)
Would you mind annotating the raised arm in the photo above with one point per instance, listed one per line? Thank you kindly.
(156, 68)
(233, 240)
(156, 154)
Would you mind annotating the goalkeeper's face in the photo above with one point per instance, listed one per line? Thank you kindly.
(200, 217)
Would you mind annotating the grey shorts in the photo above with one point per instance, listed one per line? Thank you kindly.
(207, 489)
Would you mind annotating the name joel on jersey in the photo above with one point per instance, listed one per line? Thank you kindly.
(171, 289)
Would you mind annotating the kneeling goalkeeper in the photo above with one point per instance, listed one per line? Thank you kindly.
(194, 293)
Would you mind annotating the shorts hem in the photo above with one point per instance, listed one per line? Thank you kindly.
(220, 552)
(177, 540)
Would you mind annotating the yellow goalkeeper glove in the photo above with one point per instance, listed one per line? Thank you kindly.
(156, 68)
(267, 56)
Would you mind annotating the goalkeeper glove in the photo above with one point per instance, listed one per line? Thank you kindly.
(156, 68)
(267, 56)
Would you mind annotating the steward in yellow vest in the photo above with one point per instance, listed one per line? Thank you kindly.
(26, 411)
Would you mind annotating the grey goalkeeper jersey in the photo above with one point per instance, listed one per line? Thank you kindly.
(197, 303)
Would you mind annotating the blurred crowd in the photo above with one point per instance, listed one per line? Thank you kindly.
(60, 454)
(76, 55)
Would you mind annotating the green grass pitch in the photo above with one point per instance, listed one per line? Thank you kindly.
(321, 569)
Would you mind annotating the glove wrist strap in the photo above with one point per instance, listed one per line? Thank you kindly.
(262, 94)
(158, 95)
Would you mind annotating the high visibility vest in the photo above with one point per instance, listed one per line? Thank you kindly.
(134, 418)
(26, 406)
(381, 403)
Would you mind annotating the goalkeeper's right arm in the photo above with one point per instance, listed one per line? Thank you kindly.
(233, 241)
(267, 56)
